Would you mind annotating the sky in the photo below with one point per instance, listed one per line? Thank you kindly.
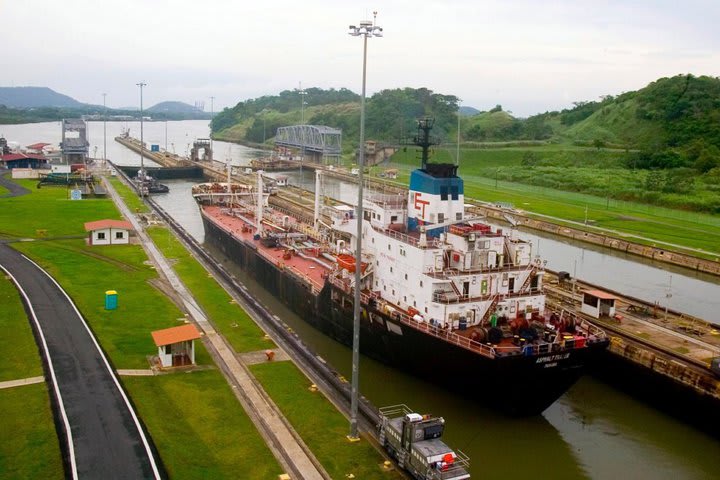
(528, 56)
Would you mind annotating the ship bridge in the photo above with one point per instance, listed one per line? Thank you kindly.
(317, 141)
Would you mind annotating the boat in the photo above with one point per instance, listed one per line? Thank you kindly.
(149, 184)
(444, 296)
(414, 441)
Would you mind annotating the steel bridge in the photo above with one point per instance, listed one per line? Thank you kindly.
(319, 141)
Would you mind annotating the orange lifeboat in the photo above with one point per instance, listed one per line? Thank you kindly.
(348, 263)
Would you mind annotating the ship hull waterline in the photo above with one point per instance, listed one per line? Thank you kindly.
(517, 385)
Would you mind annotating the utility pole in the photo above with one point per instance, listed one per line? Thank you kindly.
(104, 130)
(142, 143)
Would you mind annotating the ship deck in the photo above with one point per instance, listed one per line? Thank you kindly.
(306, 264)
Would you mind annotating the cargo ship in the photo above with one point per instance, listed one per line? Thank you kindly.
(444, 296)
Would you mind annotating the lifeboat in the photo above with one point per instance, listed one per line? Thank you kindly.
(348, 263)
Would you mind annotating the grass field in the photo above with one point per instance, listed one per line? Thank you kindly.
(325, 430)
(200, 428)
(30, 447)
(22, 359)
(227, 317)
(49, 209)
(86, 273)
(129, 197)
(32, 450)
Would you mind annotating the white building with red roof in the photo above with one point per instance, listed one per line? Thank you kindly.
(176, 346)
(108, 232)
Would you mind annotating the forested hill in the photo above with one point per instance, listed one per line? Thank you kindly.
(390, 114)
(681, 113)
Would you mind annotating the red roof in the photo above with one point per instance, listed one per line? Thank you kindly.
(172, 335)
(601, 294)
(37, 146)
(102, 224)
(19, 156)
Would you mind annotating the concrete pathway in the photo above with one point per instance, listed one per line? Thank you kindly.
(21, 382)
(282, 440)
(135, 373)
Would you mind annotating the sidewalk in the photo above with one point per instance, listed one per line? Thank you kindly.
(283, 442)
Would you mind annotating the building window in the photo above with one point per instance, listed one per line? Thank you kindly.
(406, 276)
(421, 283)
(119, 235)
(391, 270)
(168, 349)
(458, 216)
(441, 217)
(393, 218)
(101, 236)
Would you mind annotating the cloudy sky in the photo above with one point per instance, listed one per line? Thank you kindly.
(530, 56)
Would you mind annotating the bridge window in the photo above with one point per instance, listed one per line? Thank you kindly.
(454, 192)
(443, 193)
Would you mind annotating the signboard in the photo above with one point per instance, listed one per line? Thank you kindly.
(154, 148)
(75, 194)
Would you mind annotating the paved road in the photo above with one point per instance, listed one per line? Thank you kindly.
(104, 437)
(14, 190)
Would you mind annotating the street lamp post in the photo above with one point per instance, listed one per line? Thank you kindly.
(212, 113)
(142, 142)
(104, 130)
(365, 29)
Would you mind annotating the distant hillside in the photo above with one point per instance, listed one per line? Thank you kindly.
(175, 107)
(390, 114)
(468, 111)
(35, 97)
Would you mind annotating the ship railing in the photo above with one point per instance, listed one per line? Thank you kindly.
(448, 297)
(459, 467)
(394, 411)
(442, 333)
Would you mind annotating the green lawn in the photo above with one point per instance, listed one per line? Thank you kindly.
(30, 447)
(228, 318)
(21, 356)
(86, 273)
(128, 195)
(32, 451)
(49, 209)
(325, 430)
(200, 428)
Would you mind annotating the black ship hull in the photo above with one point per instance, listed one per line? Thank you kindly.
(516, 384)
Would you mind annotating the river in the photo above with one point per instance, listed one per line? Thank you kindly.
(593, 431)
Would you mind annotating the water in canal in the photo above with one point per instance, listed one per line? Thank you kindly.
(593, 431)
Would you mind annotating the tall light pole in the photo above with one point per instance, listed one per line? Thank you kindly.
(142, 142)
(104, 130)
(365, 30)
(212, 112)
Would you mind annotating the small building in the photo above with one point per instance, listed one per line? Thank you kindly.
(108, 232)
(597, 303)
(22, 160)
(176, 345)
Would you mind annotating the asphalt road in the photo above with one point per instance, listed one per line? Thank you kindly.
(105, 439)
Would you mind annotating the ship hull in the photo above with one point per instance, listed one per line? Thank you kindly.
(516, 384)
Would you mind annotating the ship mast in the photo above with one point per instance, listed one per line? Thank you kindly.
(259, 206)
(423, 140)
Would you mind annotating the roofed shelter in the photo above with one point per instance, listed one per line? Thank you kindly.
(108, 232)
(22, 160)
(176, 345)
(597, 303)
